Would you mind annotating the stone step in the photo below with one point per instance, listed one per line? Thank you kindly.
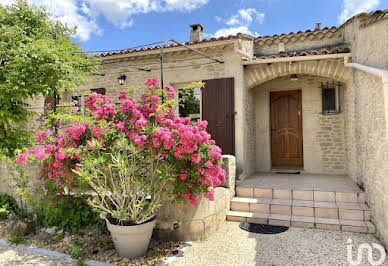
(295, 194)
(306, 208)
(302, 221)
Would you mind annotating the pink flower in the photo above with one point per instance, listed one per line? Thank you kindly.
(170, 92)
(183, 176)
(140, 140)
(96, 132)
(140, 123)
(41, 135)
(193, 200)
(120, 126)
(196, 158)
(210, 195)
(49, 148)
(38, 153)
(186, 195)
(122, 95)
(68, 180)
(22, 159)
(66, 239)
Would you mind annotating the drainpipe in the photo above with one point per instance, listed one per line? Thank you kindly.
(381, 73)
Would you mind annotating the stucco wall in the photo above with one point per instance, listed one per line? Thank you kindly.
(366, 119)
(323, 135)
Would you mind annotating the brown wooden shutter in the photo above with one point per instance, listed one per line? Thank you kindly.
(218, 111)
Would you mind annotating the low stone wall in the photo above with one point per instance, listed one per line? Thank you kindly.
(185, 222)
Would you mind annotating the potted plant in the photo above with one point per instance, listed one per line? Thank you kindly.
(127, 157)
(127, 186)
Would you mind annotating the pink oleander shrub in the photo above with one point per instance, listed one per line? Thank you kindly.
(151, 126)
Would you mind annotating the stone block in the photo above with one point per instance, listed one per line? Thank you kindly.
(324, 196)
(282, 194)
(349, 206)
(258, 207)
(239, 206)
(258, 218)
(229, 165)
(281, 209)
(303, 203)
(330, 205)
(303, 211)
(262, 193)
(244, 191)
(326, 213)
(351, 215)
(303, 195)
(346, 197)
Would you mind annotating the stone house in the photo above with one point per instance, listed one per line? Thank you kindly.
(315, 102)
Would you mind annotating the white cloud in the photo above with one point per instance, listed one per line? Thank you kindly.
(245, 17)
(240, 22)
(85, 13)
(353, 7)
(234, 31)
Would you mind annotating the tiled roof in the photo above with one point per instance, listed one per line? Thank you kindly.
(375, 16)
(322, 51)
(222, 38)
(372, 17)
(300, 35)
(326, 32)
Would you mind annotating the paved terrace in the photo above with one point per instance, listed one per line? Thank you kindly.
(318, 182)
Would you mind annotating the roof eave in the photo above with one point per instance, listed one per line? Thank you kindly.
(296, 58)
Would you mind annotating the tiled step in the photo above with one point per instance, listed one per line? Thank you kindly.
(302, 221)
(303, 208)
(295, 194)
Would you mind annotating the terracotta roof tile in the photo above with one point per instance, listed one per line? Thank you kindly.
(322, 51)
(375, 16)
(150, 48)
(371, 17)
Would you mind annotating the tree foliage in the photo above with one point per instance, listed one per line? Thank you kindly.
(35, 53)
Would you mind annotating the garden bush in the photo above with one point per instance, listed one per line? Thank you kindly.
(8, 205)
(69, 214)
(127, 155)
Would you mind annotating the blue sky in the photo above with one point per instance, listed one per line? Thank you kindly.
(120, 24)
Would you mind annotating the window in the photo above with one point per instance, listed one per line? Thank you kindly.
(99, 90)
(190, 103)
(330, 98)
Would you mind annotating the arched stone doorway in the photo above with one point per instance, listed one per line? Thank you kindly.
(323, 145)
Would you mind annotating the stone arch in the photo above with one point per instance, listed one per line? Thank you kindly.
(260, 73)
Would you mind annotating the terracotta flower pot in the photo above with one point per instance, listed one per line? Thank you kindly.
(131, 241)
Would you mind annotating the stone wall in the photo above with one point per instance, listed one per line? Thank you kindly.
(323, 135)
(185, 222)
(366, 119)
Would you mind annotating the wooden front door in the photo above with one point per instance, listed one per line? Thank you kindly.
(218, 111)
(286, 129)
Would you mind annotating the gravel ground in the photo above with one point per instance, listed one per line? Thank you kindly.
(297, 246)
(16, 256)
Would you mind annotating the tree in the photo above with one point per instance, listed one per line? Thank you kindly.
(35, 53)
